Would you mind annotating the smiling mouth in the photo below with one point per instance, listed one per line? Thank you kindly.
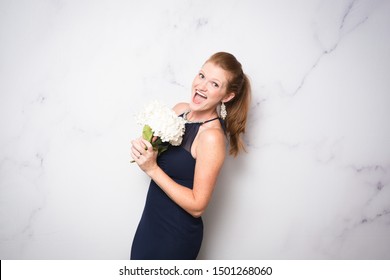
(200, 94)
(199, 97)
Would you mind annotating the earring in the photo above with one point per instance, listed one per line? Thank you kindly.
(223, 111)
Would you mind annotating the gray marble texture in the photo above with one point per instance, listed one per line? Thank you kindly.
(314, 183)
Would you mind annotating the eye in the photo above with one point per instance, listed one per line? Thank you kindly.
(201, 75)
(215, 85)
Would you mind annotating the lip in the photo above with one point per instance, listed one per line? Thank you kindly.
(200, 93)
(198, 97)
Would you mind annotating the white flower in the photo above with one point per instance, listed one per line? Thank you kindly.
(163, 122)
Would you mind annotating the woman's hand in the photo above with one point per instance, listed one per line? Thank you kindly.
(143, 154)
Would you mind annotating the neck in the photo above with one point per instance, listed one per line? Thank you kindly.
(195, 116)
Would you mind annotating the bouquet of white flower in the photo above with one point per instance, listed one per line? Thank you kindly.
(160, 121)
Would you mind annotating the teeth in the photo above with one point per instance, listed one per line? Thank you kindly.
(201, 94)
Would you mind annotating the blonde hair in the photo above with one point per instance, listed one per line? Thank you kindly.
(238, 107)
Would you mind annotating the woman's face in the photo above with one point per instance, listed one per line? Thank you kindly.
(209, 88)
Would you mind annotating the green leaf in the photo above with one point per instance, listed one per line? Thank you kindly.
(162, 149)
(156, 144)
(147, 133)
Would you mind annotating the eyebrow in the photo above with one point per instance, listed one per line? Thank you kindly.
(214, 79)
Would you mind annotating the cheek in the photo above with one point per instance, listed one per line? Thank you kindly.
(218, 92)
(195, 81)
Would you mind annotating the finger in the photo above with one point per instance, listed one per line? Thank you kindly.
(134, 156)
(147, 144)
(138, 146)
(143, 143)
(137, 141)
(136, 152)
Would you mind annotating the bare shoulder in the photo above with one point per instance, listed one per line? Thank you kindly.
(210, 148)
(211, 138)
(180, 108)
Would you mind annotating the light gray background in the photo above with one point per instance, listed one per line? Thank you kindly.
(315, 182)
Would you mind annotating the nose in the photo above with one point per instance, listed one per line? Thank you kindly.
(203, 85)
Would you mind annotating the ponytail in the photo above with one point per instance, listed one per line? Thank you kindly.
(236, 117)
(238, 107)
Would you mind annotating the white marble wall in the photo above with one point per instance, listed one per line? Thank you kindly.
(315, 183)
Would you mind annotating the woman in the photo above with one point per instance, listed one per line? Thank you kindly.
(183, 177)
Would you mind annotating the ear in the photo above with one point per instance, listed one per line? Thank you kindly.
(228, 97)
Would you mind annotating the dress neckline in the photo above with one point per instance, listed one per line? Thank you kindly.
(197, 122)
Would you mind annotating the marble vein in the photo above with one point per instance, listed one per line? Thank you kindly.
(327, 51)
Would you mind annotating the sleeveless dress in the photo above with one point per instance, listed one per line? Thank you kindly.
(166, 231)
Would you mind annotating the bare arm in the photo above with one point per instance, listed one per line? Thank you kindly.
(210, 152)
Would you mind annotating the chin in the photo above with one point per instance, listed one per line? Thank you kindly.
(193, 106)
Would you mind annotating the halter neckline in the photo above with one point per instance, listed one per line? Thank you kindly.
(198, 122)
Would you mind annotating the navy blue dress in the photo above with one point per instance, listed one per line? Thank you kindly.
(166, 231)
